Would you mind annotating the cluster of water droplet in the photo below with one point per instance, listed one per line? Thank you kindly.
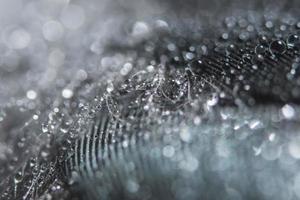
(64, 62)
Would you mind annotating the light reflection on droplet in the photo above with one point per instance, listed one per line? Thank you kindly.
(31, 94)
(288, 111)
(126, 69)
(67, 93)
(140, 29)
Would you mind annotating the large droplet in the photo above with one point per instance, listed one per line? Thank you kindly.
(277, 47)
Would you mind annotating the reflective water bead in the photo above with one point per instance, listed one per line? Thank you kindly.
(225, 36)
(259, 58)
(277, 47)
(260, 49)
(67, 93)
(269, 24)
(31, 94)
(293, 40)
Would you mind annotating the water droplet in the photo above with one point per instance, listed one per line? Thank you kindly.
(189, 56)
(150, 68)
(269, 24)
(230, 22)
(225, 36)
(171, 47)
(255, 67)
(244, 36)
(18, 177)
(213, 100)
(293, 40)
(67, 93)
(272, 137)
(257, 59)
(161, 24)
(44, 154)
(185, 135)
(277, 47)
(31, 94)
(140, 30)
(110, 87)
(288, 111)
(255, 124)
(126, 69)
(45, 128)
(260, 49)
(197, 120)
(247, 57)
(81, 75)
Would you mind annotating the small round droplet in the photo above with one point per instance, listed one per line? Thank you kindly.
(230, 48)
(288, 111)
(213, 100)
(260, 49)
(126, 69)
(277, 47)
(67, 93)
(293, 40)
(18, 177)
(244, 36)
(196, 66)
(225, 36)
(269, 24)
(257, 59)
(31, 94)
(246, 57)
(110, 88)
(140, 30)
